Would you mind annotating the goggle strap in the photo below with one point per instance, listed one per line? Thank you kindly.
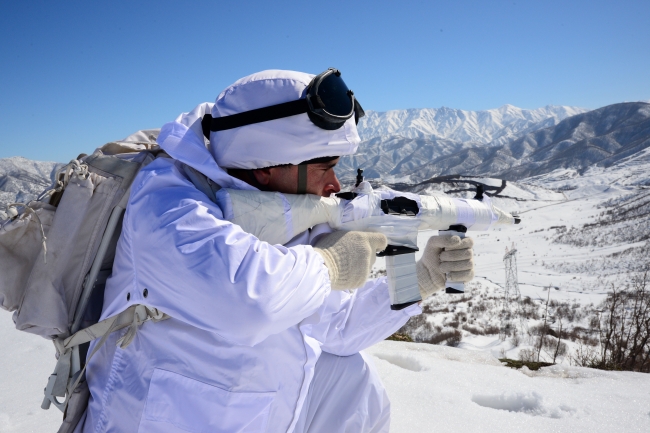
(358, 111)
(302, 179)
(258, 115)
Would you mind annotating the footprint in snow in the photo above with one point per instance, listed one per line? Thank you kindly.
(405, 362)
(530, 403)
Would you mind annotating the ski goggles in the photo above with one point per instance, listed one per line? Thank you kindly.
(328, 103)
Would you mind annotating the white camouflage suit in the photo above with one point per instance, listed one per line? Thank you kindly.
(256, 342)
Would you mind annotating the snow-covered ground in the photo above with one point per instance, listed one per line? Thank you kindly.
(444, 389)
(25, 365)
(465, 388)
(569, 239)
(432, 389)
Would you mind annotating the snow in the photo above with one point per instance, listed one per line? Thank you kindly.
(25, 365)
(498, 124)
(431, 388)
(22, 179)
(448, 389)
(445, 389)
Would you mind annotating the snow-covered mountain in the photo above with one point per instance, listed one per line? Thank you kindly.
(395, 143)
(22, 180)
(497, 125)
(394, 158)
(598, 137)
(430, 145)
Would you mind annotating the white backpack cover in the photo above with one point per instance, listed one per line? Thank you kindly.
(56, 253)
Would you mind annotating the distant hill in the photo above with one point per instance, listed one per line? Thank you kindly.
(22, 180)
(395, 143)
(496, 126)
(599, 137)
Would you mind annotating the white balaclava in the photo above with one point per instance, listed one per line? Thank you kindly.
(289, 140)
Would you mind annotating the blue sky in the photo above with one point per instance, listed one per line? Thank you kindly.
(76, 74)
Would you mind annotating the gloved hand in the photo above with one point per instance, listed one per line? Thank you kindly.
(349, 256)
(444, 254)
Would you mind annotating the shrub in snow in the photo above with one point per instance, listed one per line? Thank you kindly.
(515, 338)
(450, 337)
(527, 355)
(625, 327)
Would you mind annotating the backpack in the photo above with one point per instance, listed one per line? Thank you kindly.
(56, 253)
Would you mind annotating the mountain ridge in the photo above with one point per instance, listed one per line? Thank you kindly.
(22, 179)
(484, 126)
(601, 136)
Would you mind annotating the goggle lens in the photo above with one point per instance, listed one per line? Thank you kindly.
(335, 95)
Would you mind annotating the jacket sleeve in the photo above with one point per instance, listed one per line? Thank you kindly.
(363, 318)
(207, 272)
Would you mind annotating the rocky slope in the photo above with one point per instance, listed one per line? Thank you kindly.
(22, 180)
(599, 137)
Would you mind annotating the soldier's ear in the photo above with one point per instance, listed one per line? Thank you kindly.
(263, 175)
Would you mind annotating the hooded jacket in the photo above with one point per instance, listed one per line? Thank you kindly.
(248, 319)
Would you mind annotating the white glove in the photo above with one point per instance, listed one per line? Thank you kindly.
(349, 256)
(444, 254)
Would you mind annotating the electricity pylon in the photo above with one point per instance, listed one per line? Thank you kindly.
(512, 293)
(512, 285)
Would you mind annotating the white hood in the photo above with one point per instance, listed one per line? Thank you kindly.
(289, 140)
(183, 140)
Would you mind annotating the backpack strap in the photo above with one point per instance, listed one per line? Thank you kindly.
(64, 380)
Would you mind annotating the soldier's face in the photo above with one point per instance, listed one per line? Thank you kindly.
(321, 179)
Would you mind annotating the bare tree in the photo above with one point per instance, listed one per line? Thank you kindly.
(544, 329)
(623, 324)
(560, 348)
(625, 327)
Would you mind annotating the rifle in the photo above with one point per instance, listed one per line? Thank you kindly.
(277, 218)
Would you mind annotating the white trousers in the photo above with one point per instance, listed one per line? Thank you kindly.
(345, 396)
